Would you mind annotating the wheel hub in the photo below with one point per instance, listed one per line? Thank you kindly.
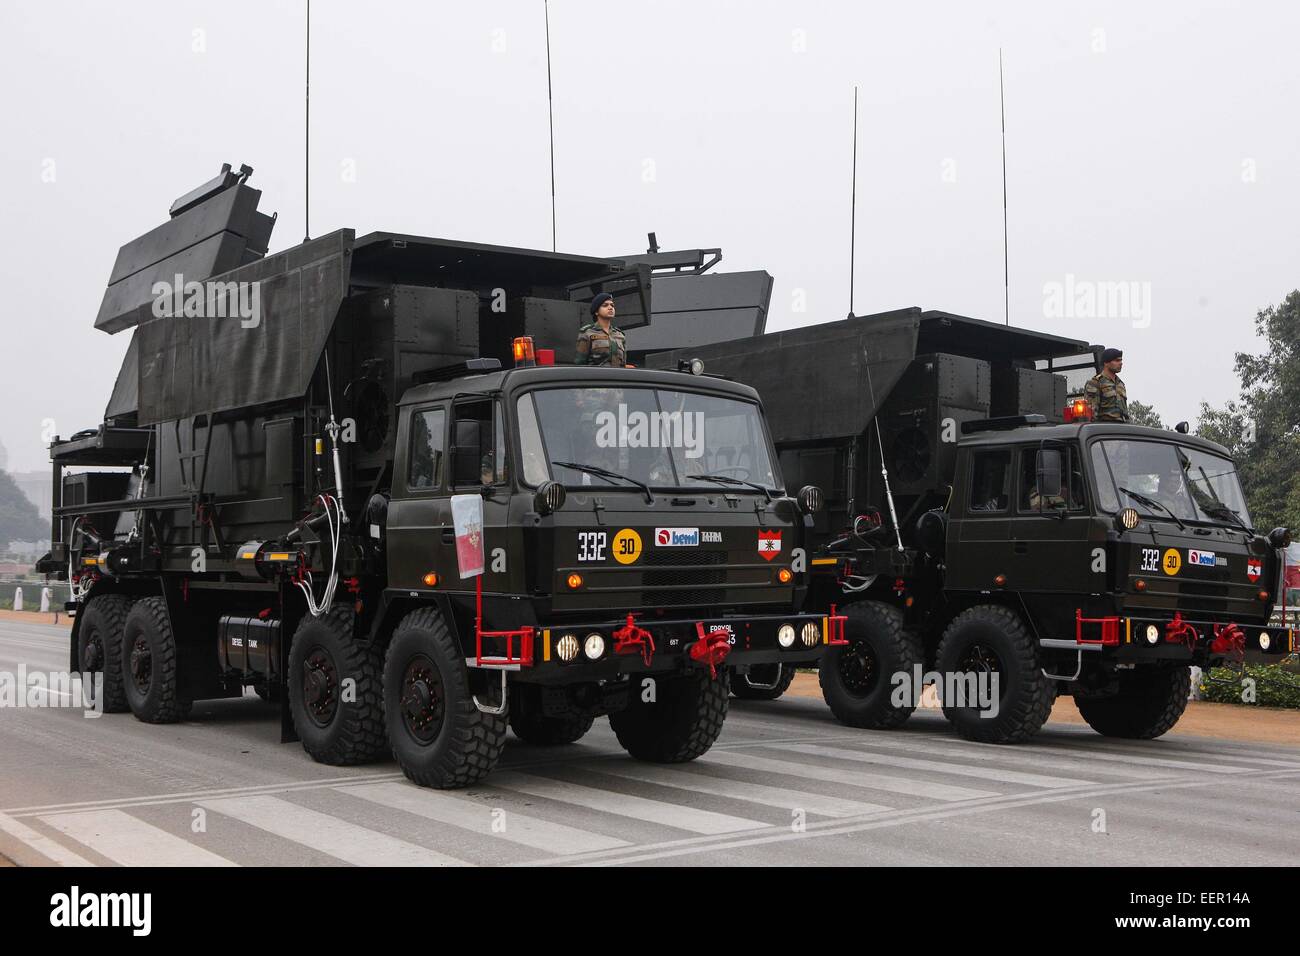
(858, 669)
(422, 700)
(93, 657)
(141, 664)
(320, 686)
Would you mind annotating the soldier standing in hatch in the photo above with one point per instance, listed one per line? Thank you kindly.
(1105, 391)
(600, 342)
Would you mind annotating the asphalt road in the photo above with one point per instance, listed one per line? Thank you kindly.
(785, 784)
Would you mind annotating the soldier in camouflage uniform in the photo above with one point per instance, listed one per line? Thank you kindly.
(600, 342)
(1105, 392)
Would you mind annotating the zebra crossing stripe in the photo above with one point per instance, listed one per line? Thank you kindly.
(330, 835)
(130, 841)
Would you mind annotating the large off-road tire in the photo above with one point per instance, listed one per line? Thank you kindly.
(99, 647)
(148, 657)
(857, 679)
(779, 675)
(438, 736)
(680, 723)
(338, 723)
(1151, 698)
(532, 725)
(991, 638)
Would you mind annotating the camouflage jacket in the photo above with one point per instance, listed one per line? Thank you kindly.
(1108, 398)
(598, 347)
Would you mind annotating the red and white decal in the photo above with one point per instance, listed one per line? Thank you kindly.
(1254, 569)
(769, 544)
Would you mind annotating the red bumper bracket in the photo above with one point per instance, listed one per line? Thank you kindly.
(630, 638)
(711, 649)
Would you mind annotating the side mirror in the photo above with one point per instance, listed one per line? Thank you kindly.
(467, 453)
(1049, 473)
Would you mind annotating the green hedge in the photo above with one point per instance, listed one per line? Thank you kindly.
(1276, 685)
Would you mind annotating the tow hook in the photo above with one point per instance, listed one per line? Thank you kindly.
(711, 649)
(630, 638)
(1179, 630)
(1229, 640)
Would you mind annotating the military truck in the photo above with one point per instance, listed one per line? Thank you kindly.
(980, 527)
(273, 500)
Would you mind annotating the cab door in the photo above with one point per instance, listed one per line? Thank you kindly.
(977, 534)
(419, 514)
(1049, 534)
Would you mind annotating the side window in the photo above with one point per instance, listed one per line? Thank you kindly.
(428, 448)
(1072, 497)
(990, 488)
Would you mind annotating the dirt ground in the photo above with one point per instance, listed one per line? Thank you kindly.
(1263, 725)
(35, 617)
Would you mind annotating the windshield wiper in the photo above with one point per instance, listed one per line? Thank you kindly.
(728, 480)
(1151, 503)
(1222, 509)
(607, 474)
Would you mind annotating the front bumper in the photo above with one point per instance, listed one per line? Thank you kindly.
(667, 645)
(1190, 640)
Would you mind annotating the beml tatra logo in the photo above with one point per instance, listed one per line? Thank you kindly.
(663, 537)
(769, 544)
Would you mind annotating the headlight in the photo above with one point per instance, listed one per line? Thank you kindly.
(811, 499)
(695, 366)
(811, 634)
(1128, 519)
(1265, 642)
(1153, 634)
(785, 636)
(550, 497)
(593, 646)
(566, 648)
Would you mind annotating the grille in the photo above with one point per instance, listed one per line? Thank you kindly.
(692, 571)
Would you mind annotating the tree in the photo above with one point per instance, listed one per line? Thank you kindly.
(1262, 428)
(19, 520)
(1140, 413)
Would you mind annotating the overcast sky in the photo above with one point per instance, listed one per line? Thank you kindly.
(1154, 144)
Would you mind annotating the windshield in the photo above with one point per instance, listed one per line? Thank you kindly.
(1192, 484)
(656, 436)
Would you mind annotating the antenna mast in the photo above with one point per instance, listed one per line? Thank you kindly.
(1006, 269)
(306, 144)
(550, 114)
(853, 200)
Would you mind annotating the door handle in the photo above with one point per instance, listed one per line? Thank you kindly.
(448, 537)
(1020, 548)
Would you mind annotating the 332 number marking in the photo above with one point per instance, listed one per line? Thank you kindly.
(1150, 559)
(591, 545)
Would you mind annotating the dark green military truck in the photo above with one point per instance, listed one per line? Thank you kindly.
(978, 541)
(287, 455)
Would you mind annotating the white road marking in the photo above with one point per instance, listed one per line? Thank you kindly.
(52, 850)
(477, 818)
(938, 766)
(856, 778)
(624, 805)
(779, 797)
(129, 841)
(348, 842)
